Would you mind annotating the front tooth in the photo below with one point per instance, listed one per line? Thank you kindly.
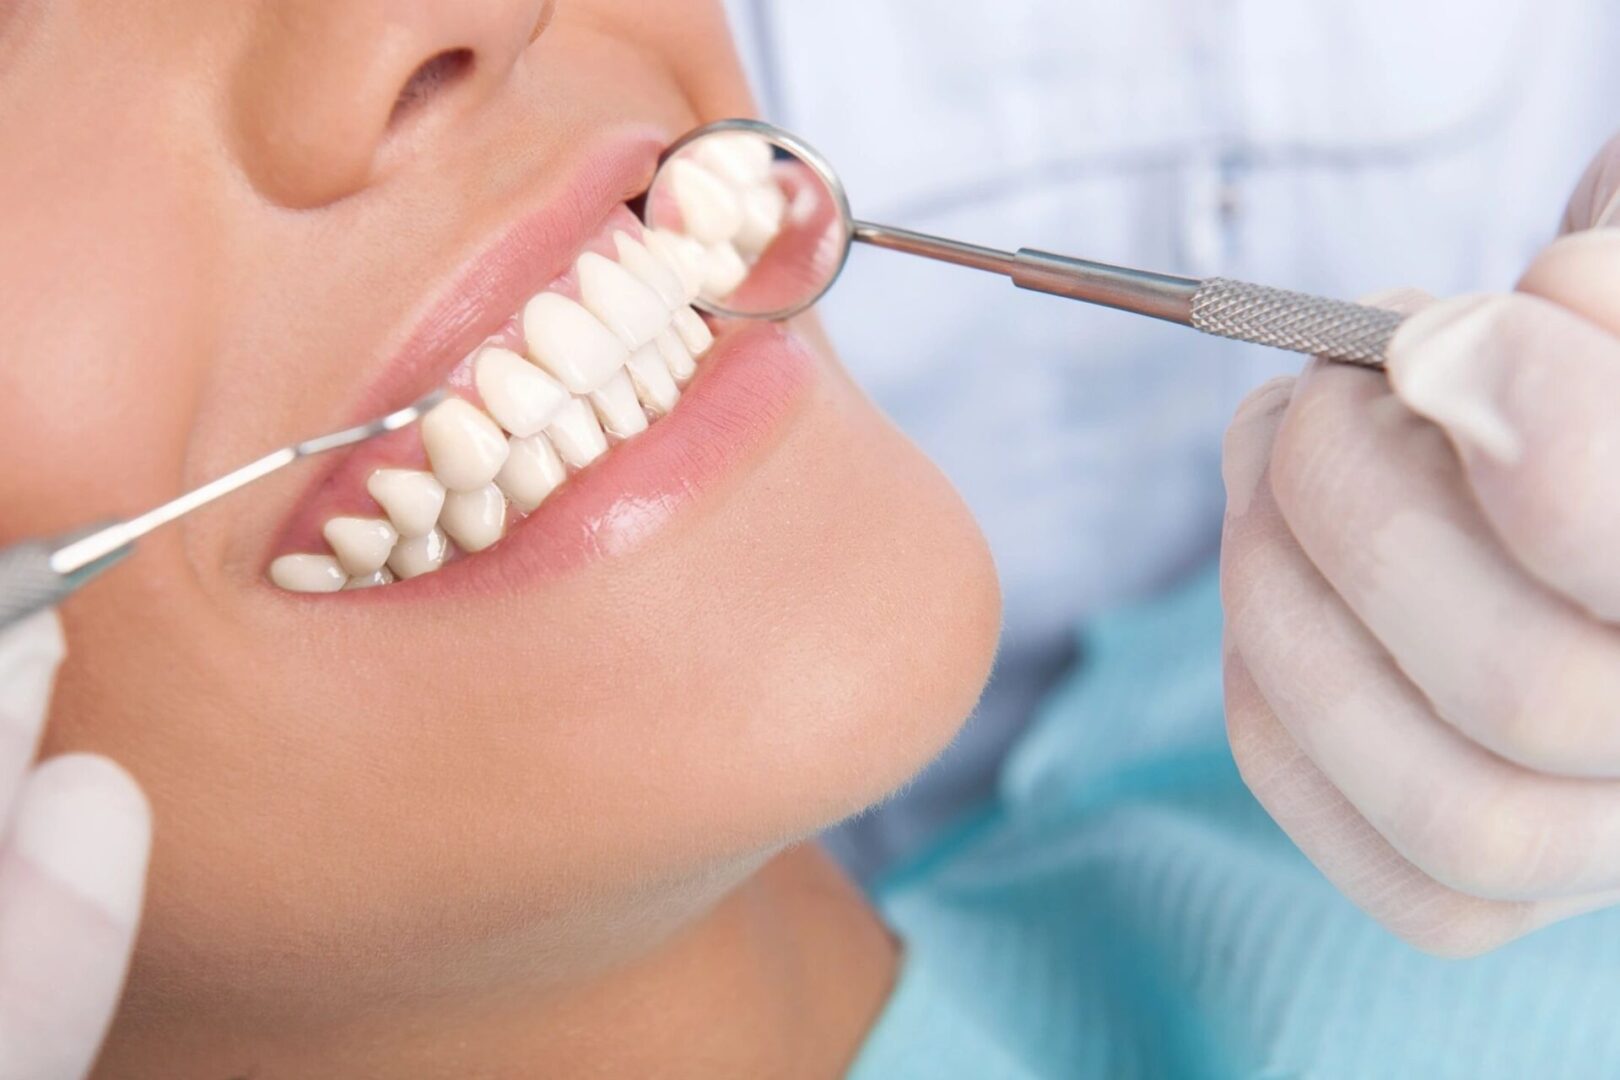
(617, 405)
(710, 210)
(577, 435)
(682, 254)
(381, 577)
(419, 555)
(763, 210)
(654, 272)
(654, 386)
(531, 473)
(694, 332)
(308, 573)
(464, 446)
(675, 355)
(522, 398)
(726, 271)
(571, 343)
(411, 498)
(475, 519)
(621, 300)
(360, 544)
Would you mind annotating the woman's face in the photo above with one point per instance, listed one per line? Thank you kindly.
(227, 226)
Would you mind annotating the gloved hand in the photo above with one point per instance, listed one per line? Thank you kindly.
(72, 872)
(1422, 584)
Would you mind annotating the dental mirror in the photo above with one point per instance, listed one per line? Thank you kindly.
(764, 220)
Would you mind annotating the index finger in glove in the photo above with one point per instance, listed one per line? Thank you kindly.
(30, 653)
(1528, 393)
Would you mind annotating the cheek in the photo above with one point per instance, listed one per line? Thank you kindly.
(107, 316)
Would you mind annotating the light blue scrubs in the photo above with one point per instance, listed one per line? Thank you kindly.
(1124, 908)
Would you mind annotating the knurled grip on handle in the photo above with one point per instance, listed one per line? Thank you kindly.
(1350, 333)
(27, 582)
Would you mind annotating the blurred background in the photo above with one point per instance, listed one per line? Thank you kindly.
(1336, 146)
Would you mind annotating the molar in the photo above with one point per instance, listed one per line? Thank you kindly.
(463, 445)
(411, 498)
(362, 545)
(624, 304)
(571, 343)
(308, 573)
(474, 519)
(419, 555)
(522, 398)
(577, 435)
(531, 473)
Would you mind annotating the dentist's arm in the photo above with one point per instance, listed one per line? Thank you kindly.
(1422, 583)
(72, 871)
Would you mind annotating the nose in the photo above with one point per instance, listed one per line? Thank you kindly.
(328, 90)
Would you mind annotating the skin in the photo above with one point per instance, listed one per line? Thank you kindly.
(553, 829)
(1423, 607)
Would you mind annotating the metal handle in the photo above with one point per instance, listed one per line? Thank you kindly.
(1349, 333)
(27, 581)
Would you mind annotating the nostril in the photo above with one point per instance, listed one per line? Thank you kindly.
(433, 77)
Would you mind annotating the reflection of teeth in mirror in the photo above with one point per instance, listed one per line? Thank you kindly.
(764, 208)
(725, 271)
(542, 415)
(741, 158)
(710, 209)
(730, 207)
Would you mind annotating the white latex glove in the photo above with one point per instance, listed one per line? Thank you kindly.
(72, 873)
(1422, 587)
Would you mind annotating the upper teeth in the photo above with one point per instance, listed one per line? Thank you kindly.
(611, 360)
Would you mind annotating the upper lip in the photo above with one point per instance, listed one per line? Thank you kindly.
(495, 280)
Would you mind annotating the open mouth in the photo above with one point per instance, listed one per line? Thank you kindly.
(591, 361)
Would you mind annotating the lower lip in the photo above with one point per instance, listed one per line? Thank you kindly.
(747, 388)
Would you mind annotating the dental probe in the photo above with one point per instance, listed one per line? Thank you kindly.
(1315, 325)
(38, 573)
(1259, 314)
